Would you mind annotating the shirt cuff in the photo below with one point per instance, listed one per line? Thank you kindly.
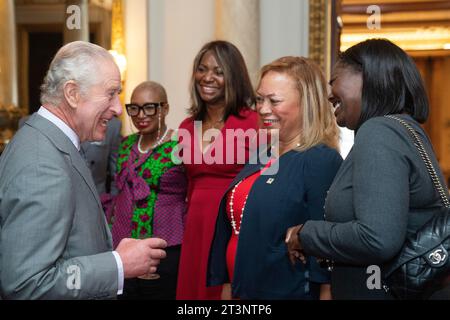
(120, 273)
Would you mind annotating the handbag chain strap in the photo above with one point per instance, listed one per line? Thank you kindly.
(424, 155)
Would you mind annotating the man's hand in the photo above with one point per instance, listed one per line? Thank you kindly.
(295, 250)
(140, 257)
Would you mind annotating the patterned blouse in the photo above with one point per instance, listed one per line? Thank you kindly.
(151, 200)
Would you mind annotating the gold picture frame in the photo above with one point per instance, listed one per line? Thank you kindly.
(324, 33)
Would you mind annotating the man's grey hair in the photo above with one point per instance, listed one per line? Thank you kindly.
(77, 61)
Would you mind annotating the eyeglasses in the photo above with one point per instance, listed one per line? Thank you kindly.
(148, 108)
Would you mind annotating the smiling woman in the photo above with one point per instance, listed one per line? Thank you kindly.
(151, 191)
(259, 206)
(221, 97)
(346, 87)
(209, 80)
(382, 192)
(278, 105)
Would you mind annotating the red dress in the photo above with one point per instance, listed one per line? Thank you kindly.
(238, 197)
(209, 175)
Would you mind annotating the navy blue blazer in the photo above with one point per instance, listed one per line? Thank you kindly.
(295, 194)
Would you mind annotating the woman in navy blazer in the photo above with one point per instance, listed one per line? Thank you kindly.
(248, 248)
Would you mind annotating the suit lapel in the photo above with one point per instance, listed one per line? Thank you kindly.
(63, 143)
(80, 165)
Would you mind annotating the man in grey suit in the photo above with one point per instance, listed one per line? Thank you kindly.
(54, 240)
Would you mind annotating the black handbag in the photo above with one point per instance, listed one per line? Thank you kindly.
(423, 263)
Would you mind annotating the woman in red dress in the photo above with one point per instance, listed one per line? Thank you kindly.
(214, 146)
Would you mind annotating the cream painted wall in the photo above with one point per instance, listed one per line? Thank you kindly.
(284, 26)
(136, 39)
(178, 29)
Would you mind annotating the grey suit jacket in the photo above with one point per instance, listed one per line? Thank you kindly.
(101, 157)
(54, 241)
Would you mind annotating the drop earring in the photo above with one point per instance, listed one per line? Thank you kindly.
(159, 122)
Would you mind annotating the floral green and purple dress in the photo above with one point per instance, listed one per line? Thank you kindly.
(151, 201)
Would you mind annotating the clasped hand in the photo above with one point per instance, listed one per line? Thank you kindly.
(294, 247)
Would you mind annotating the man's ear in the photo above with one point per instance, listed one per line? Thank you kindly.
(72, 93)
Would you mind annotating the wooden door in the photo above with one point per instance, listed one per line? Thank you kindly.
(435, 71)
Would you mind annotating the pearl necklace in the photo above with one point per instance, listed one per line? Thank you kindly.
(153, 146)
(233, 222)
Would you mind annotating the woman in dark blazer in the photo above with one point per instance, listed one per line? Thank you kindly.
(382, 191)
(288, 190)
